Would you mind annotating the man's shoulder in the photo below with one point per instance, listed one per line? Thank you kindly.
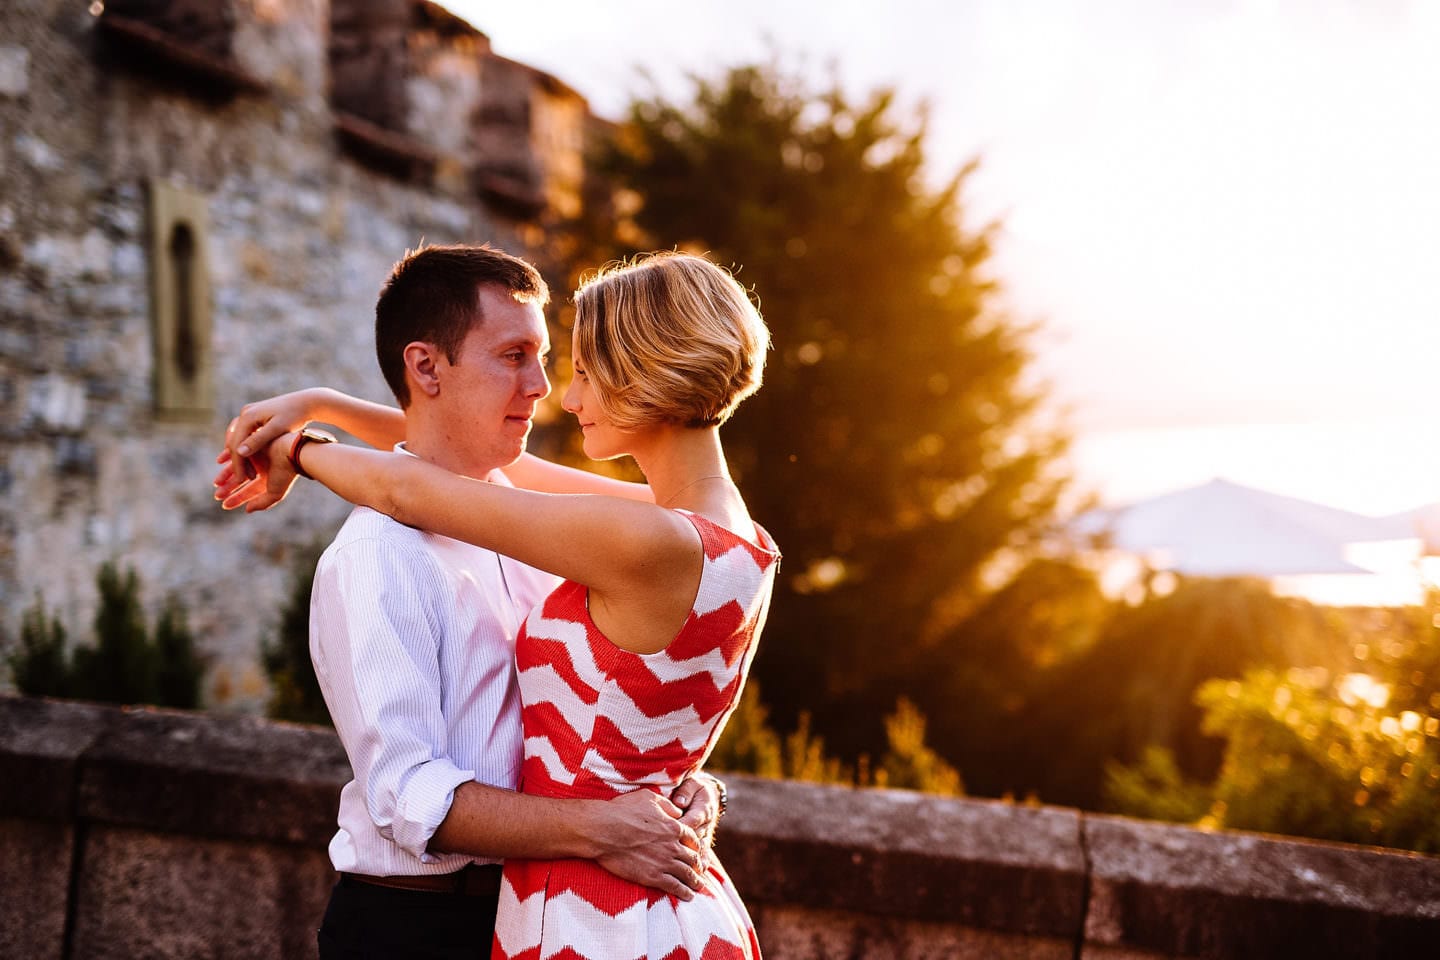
(368, 533)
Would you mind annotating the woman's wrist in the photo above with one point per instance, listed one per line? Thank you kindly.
(279, 449)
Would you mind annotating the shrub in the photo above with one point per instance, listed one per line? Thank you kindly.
(295, 690)
(124, 665)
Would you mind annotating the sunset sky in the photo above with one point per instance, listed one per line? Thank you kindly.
(1226, 211)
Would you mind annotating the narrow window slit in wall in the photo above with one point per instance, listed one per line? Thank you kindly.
(180, 304)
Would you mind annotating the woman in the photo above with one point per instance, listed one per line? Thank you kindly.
(630, 668)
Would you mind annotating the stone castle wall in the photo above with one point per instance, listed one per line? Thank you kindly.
(308, 205)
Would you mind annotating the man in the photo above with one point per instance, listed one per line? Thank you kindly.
(412, 636)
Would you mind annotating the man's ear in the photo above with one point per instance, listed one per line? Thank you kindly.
(422, 367)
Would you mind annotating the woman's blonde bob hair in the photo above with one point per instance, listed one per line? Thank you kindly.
(668, 338)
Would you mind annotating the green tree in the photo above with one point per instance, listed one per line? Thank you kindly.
(1353, 756)
(988, 671)
(122, 667)
(1155, 789)
(1135, 686)
(179, 667)
(40, 667)
(895, 450)
(1345, 752)
(295, 690)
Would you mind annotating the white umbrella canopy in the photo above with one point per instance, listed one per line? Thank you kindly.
(1221, 529)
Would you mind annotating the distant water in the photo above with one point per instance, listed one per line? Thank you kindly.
(1374, 467)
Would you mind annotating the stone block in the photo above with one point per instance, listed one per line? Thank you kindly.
(796, 933)
(35, 864)
(165, 897)
(14, 70)
(56, 403)
(1168, 890)
(979, 864)
(41, 743)
(216, 775)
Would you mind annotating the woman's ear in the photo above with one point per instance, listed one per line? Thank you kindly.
(422, 367)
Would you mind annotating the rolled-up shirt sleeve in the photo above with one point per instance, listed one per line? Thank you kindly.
(377, 619)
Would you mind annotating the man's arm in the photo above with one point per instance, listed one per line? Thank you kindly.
(378, 633)
(638, 836)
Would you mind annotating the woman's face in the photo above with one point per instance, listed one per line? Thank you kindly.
(603, 441)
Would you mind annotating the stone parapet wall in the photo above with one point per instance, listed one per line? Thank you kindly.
(145, 833)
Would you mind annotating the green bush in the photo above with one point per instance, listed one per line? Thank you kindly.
(124, 665)
(40, 667)
(295, 690)
(748, 744)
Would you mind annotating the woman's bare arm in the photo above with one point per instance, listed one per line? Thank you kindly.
(382, 427)
(544, 476)
(609, 543)
(260, 422)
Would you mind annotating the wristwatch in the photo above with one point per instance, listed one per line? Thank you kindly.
(722, 794)
(304, 436)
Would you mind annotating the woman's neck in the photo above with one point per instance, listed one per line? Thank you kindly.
(678, 459)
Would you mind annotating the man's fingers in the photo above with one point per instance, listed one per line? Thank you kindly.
(676, 889)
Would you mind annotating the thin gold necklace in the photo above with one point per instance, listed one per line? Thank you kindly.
(709, 476)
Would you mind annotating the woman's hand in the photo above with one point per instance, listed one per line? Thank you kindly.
(699, 798)
(274, 475)
(264, 420)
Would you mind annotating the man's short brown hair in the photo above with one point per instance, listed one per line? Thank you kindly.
(433, 296)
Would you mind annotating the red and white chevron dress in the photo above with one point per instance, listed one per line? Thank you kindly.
(600, 721)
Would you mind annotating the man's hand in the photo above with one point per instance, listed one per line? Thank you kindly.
(644, 840)
(700, 799)
(273, 477)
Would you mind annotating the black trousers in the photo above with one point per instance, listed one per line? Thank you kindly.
(368, 922)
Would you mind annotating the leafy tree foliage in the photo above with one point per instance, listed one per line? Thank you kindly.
(748, 744)
(124, 665)
(1155, 789)
(1349, 753)
(909, 763)
(179, 667)
(40, 667)
(894, 451)
(1134, 687)
(295, 690)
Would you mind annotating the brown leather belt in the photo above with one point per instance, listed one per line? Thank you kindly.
(474, 880)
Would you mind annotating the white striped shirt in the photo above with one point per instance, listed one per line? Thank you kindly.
(413, 639)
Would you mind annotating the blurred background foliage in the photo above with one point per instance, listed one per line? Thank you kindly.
(929, 622)
(125, 663)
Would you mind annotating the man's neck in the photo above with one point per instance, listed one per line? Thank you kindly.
(430, 442)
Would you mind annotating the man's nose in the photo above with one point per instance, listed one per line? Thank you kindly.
(537, 383)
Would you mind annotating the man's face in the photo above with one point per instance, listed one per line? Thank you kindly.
(488, 394)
